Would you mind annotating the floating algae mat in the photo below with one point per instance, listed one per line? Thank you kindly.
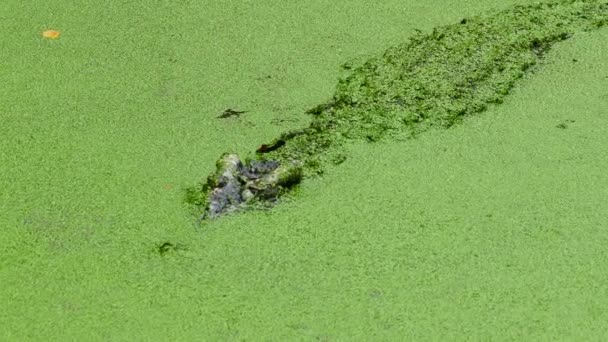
(431, 80)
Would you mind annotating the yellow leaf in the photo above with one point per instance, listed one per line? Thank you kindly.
(51, 34)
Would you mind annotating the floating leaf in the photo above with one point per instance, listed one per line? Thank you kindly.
(51, 34)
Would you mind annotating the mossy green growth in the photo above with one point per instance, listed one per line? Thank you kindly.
(433, 79)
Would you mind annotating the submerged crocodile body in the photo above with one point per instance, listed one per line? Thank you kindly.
(431, 80)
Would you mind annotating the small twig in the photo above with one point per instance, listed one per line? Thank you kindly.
(230, 112)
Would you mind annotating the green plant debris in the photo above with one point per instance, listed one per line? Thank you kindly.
(432, 79)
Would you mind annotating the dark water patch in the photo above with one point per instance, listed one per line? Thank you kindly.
(564, 125)
(167, 248)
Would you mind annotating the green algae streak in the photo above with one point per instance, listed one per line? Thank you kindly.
(431, 80)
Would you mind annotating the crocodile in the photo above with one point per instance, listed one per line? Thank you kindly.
(431, 80)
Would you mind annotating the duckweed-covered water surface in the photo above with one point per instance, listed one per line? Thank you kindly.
(433, 79)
